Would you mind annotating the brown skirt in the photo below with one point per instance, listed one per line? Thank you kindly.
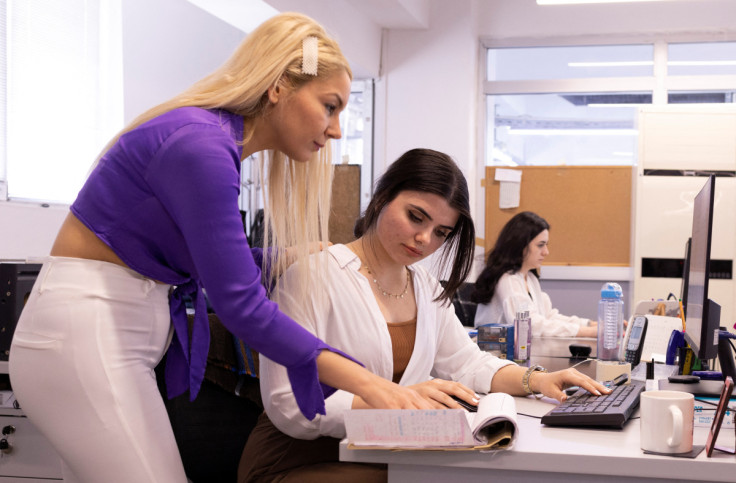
(272, 456)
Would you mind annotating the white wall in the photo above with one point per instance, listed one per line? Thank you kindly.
(359, 36)
(167, 45)
(427, 95)
(427, 90)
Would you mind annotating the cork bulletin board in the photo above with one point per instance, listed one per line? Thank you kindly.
(345, 202)
(588, 209)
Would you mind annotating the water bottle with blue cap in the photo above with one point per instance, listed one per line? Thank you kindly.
(610, 322)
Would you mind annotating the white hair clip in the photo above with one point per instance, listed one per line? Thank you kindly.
(309, 55)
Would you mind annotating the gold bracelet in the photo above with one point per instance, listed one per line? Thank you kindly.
(527, 376)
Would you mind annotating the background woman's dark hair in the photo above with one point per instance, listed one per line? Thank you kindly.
(429, 171)
(508, 253)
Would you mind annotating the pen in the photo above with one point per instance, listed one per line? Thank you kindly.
(682, 315)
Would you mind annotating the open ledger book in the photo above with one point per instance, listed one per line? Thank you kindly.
(491, 428)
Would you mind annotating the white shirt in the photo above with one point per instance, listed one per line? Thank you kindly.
(344, 313)
(511, 295)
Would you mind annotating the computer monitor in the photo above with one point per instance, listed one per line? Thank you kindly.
(702, 315)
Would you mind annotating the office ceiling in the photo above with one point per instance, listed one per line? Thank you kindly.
(395, 14)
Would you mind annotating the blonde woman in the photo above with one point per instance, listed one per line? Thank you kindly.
(159, 212)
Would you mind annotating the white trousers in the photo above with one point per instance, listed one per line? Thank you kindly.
(81, 366)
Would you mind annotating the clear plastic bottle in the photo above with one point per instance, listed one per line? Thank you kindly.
(522, 336)
(610, 322)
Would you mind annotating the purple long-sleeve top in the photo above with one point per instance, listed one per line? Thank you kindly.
(164, 198)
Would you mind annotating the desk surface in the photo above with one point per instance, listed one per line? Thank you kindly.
(553, 353)
(560, 346)
(553, 454)
(549, 454)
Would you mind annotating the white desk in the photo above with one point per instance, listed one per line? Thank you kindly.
(560, 346)
(553, 353)
(548, 454)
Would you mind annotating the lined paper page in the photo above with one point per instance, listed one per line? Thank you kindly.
(408, 427)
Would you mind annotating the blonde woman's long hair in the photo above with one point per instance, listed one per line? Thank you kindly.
(296, 195)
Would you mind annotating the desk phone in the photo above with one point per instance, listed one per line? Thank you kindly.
(656, 338)
(635, 344)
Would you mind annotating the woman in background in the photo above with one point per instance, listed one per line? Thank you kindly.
(160, 210)
(382, 307)
(510, 282)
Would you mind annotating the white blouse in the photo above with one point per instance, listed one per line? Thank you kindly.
(344, 313)
(511, 295)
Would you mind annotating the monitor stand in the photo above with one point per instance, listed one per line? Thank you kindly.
(701, 389)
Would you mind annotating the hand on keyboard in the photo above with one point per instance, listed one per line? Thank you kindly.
(553, 384)
(585, 409)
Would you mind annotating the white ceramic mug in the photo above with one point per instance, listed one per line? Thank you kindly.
(666, 421)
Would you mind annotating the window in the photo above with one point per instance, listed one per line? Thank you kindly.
(702, 59)
(578, 104)
(356, 145)
(563, 129)
(61, 95)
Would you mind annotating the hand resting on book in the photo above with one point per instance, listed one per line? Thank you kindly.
(442, 394)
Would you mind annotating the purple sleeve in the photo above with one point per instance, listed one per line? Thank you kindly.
(257, 254)
(195, 177)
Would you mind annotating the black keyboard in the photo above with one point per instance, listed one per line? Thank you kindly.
(607, 411)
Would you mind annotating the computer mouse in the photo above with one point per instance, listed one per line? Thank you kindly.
(465, 404)
(572, 390)
(580, 351)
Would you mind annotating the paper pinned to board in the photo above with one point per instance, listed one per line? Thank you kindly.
(510, 192)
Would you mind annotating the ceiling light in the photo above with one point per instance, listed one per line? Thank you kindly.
(637, 63)
(579, 2)
(701, 62)
(574, 132)
(633, 104)
(629, 63)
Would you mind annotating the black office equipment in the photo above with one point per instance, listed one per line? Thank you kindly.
(16, 282)
(605, 411)
(702, 315)
(465, 404)
(684, 379)
(725, 354)
(635, 344)
(465, 308)
(580, 351)
(618, 380)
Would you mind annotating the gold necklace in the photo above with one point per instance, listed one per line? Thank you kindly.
(386, 292)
